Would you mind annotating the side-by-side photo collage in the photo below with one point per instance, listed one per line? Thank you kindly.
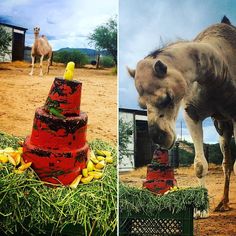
(117, 118)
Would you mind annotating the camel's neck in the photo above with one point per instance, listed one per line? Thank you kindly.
(36, 36)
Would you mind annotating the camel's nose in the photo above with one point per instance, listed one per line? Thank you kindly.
(158, 136)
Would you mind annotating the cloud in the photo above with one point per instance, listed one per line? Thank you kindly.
(67, 23)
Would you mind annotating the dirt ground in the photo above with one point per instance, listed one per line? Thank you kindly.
(218, 224)
(21, 94)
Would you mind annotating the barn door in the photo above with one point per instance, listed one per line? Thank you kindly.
(18, 45)
(144, 145)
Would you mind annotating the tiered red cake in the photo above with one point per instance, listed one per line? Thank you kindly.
(160, 176)
(57, 146)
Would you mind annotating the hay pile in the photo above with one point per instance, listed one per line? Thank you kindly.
(28, 206)
(133, 201)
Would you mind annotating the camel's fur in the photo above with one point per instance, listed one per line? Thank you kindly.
(41, 48)
(200, 75)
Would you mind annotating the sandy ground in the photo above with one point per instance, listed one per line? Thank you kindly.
(218, 224)
(21, 94)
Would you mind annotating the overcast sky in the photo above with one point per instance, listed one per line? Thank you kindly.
(65, 23)
(146, 25)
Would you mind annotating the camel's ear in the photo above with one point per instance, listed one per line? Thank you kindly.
(131, 72)
(160, 69)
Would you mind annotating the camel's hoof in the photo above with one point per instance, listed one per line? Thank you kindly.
(30, 74)
(222, 206)
(200, 214)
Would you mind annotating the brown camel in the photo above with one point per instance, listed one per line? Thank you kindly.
(41, 48)
(201, 76)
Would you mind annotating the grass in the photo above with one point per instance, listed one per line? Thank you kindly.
(29, 207)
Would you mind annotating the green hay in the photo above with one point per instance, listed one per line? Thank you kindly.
(141, 201)
(27, 206)
(7, 140)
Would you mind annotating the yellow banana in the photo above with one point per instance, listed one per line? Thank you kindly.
(11, 160)
(3, 158)
(17, 157)
(90, 166)
(100, 158)
(86, 180)
(96, 175)
(100, 165)
(107, 153)
(25, 166)
(94, 160)
(85, 172)
(100, 153)
(109, 159)
(76, 181)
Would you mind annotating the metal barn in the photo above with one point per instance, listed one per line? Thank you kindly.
(141, 147)
(16, 49)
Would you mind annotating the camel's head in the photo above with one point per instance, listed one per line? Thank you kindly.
(161, 88)
(36, 30)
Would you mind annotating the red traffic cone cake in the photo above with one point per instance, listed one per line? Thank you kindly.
(57, 145)
(160, 176)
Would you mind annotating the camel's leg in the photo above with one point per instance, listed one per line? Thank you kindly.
(49, 62)
(227, 164)
(41, 65)
(32, 66)
(200, 163)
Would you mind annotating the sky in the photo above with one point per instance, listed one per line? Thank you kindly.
(65, 23)
(147, 25)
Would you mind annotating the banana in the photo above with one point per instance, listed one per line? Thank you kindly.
(86, 180)
(107, 153)
(85, 172)
(100, 158)
(76, 181)
(100, 165)
(17, 157)
(3, 158)
(96, 175)
(94, 160)
(100, 153)
(11, 160)
(25, 166)
(109, 159)
(103, 153)
(90, 166)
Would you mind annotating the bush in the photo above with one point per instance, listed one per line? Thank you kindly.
(107, 62)
(5, 41)
(66, 56)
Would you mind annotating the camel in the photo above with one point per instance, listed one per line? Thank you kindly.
(200, 75)
(41, 48)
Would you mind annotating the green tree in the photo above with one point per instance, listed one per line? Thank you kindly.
(5, 41)
(125, 130)
(104, 37)
(64, 56)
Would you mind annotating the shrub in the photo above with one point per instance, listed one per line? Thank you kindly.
(107, 62)
(64, 56)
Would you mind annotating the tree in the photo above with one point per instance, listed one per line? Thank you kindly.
(125, 130)
(104, 37)
(5, 41)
